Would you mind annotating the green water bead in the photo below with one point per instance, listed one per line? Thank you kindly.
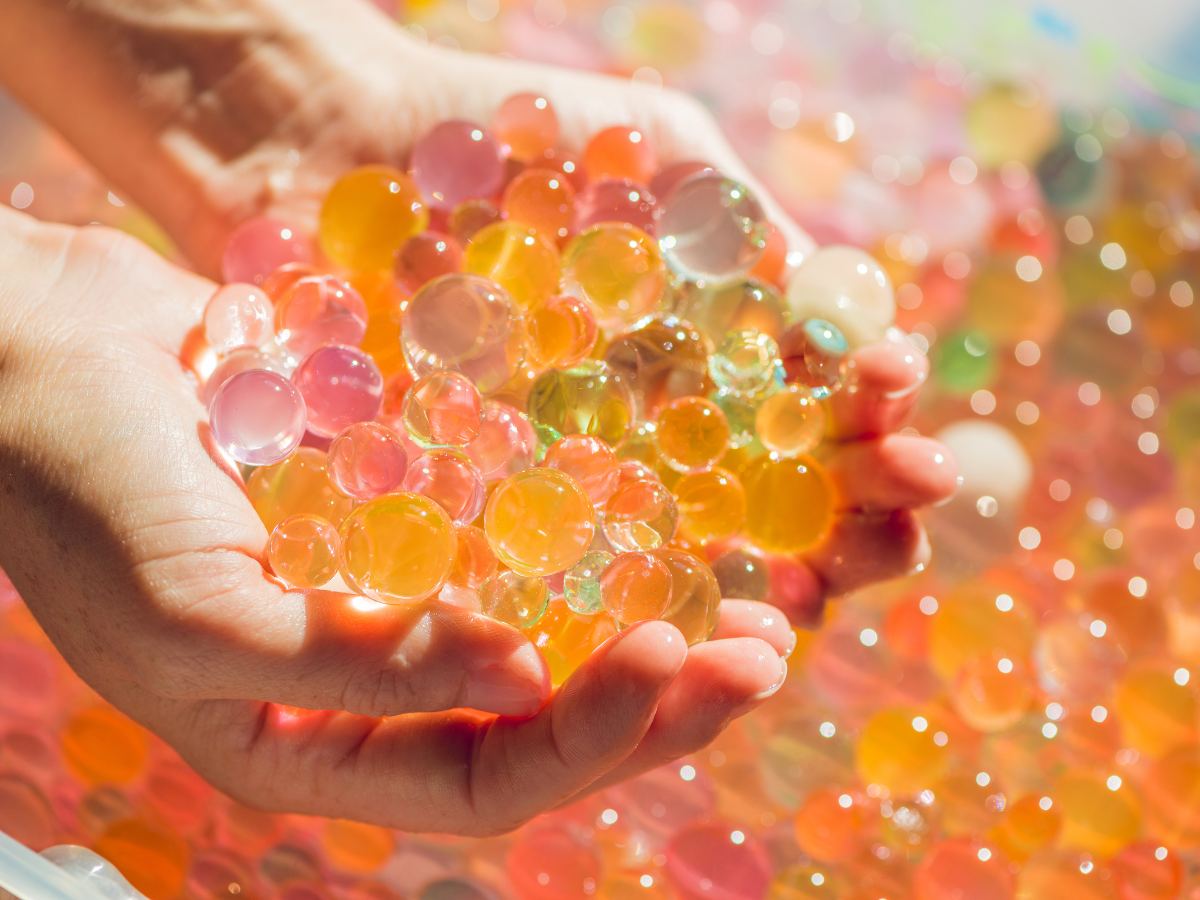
(586, 399)
(581, 584)
(745, 361)
(964, 362)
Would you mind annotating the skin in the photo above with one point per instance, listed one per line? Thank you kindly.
(132, 540)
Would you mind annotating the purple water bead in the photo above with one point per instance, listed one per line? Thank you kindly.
(616, 200)
(341, 386)
(455, 161)
(242, 360)
(320, 310)
(257, 417)
(260, 246)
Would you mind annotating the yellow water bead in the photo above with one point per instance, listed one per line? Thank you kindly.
(367, 216)
(517, 258)
(539, 521)
(792, 502)
(298, 485)
(398, 547)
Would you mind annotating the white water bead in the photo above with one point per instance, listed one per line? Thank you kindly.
(845, 286)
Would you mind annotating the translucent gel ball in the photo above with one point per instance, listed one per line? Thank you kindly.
(790, 422)
(587, 399)
(280, 281)
(341, 386)
(427, 256)
(368, 215)
(744, 362)
(258, 247)
(616, 200)
(892, 752)
(847, 287)
(566, 639)
(516, 600)
(539, 521)
(560, 332)
(581, 584)
(367, 459)
(305, 551)
(238, 315)
(960, 868)
(398, 547)
(675, 174)
(662, 359)
(620, 152)
(466, 324)
(742, 574)
(716, 310)
(505, 444)
(443, 408)
(519, 259)
(711, 504)
(634, 587)
(455, 161)
(542, 199)
(695, 595)
(619, 269)
(320, 310)
(448, 478)
(470, 217)
(790, 502)
(814, 353)
(299, 484)
(257, 417)
(589, 461)
(640, 515)
(242, 360)
(692, 434)
(528, 125)
(712, 228)
(475, 562)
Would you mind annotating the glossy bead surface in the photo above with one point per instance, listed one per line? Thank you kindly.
(455, 161)
(443, 409)
(258, 247)
(620, 152)
(711, 504)
(616, 200)
(790, 422)
(539, 521)
(847, 287)
(516, 600)
(368, 215)
(692, 434)
(792, 500)
(635, 586)
(561, 332)
(257, 417)
(640, 515)
(520, 260)
(426, 256)
(618, 268)
(581, 585)
(320, 310)
(398, 547)
(712, 228)
(528, 124)
(238, 315)
(305, 551)
(587, 399)
(542, 199)
(299, 484)
(340, 386)
(450, 479)
(589, 461)
(367, 459)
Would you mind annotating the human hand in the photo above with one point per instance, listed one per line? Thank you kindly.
(136, 548)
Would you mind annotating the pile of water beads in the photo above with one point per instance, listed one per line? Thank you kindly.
(534, 386)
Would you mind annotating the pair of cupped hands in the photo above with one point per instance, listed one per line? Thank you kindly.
(132, 540)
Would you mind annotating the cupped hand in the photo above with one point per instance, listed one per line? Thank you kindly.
(137, 550)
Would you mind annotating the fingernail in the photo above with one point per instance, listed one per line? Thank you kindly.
(912, 387)
(787, 654)
(498, 689)
(755, 699)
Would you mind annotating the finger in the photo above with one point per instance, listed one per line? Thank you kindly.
(882, 385)
(721, 681)
(751, 619)
(865, 547)
(896, 471)
(447, 772)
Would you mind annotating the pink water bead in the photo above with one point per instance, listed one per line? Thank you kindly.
(238, 315)
(426, 256)
(443, 408)
(705, 862)
(320, 310)
(589, 461)
(257, 417)
(341, 386)
(457, 160)
(527, 124)
(505, 444)
(367, 459)
(448, 478)
(616, 200)
(242, 360)
(260, 246)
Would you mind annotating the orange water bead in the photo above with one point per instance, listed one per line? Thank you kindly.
(830, 825)
(790, 421)
(539, 521)
(102, 746)
(620, 152)
(664, 358)
(640, 515)
(792, 501)
(960, 868)
(695, 595)
(589, 461)
(443, 409)
(1171, 791)
(383, 300)
(896, 749)
(475, 561)
(560, 332)
(356, 847)
(990, 694)
(978, 621)
(691, 434)
(528, 125)
(1030, 824)
(398, 547)
(300, 484)
(426, 256)
(522, 261)
(618, 268)
(1099, 815)
(367, 216)
(1156, 713)
(544, 200)
(711, 504)
(279, 282)
(305, 551)
(634, 587)
(1064, 874)
(470, 217)
(567, 638)
(153, 858)
(771, 263)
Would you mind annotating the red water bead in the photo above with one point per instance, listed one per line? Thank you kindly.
(257, 417)
(830, 825)
(455, 161)
(961, 868)
(544, 200)
(1146, 870)
(424, 257)
(553, 864)
(320, 310)
(567, 163)
(341, 386)
(528, 125)
(771, 264)
(242, 360)
(665, 181)
(616, 200)
(589, 461)
(281, 280)
(367, 459)
(717, 862)
(259, 246)
(620, 152)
